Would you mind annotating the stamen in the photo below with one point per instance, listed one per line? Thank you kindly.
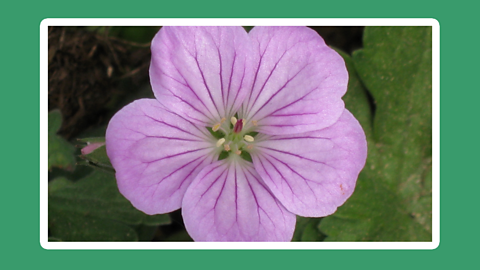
(255, 122)
(222, 120)
(226, 147)
(216, 127)
(233, 120)
(238, 152)
(220, 142)
(250, 147)
(248, 138)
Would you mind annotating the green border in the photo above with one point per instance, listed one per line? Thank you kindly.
(20, 126)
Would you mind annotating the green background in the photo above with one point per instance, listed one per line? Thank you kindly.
(20, 136)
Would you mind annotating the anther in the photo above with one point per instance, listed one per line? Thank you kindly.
(250, 147)
(255, 122)
(220, 142)
(238, 152)
(222, 120)
(216, 127)
(233, 120)
(248, 138)
(226, 147)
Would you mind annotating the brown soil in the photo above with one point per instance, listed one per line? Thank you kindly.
(84, 72)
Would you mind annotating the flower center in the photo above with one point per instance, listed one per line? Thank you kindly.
(238, 125)
(234, 138)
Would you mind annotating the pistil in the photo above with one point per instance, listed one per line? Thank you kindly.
(234, 139)
(238, 126)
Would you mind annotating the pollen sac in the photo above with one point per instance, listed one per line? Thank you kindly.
(248, 138)
(238, 126)
(220, 142)
(216, 127)
(233, 120)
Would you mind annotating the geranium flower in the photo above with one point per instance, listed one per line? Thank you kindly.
(247, 130)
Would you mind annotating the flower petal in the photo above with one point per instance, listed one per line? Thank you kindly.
(313, 173)
(298, 84)
(156, 155)
(228, 202)
(204, 73)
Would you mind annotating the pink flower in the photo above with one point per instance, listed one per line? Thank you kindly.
(272, 101)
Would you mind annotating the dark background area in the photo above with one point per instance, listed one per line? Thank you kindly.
(93, 70)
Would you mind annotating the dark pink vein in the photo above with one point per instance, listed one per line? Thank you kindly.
(266, 81)
(172, 126)
(187, 85)
(213, 182)
(276, 93)
(206, 85)
(225, 102)
(176, 155)
(297, 173)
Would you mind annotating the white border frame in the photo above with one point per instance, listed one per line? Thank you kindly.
(240, 245)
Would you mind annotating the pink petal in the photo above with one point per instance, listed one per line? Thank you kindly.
(91, 147)
(315, 172)
(202, 73)
(229, 202)
(156, 155)
(299, 81)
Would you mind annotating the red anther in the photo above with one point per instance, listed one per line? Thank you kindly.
(238, 126)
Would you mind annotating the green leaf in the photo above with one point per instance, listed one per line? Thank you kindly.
(248, 28)
(146, 233)
(180, 236)
(216, 134)
(93, 209)
(57, 184)
(246, 156)
(155, 220)
(98, 157)
(306, 229)
(92, 140)
(223, 155)
(392, 200)
(60, 152)
(356, 99)
(79, 227)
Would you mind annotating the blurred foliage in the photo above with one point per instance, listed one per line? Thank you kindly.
(60, 152)
(93, 209)
(392, 200)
